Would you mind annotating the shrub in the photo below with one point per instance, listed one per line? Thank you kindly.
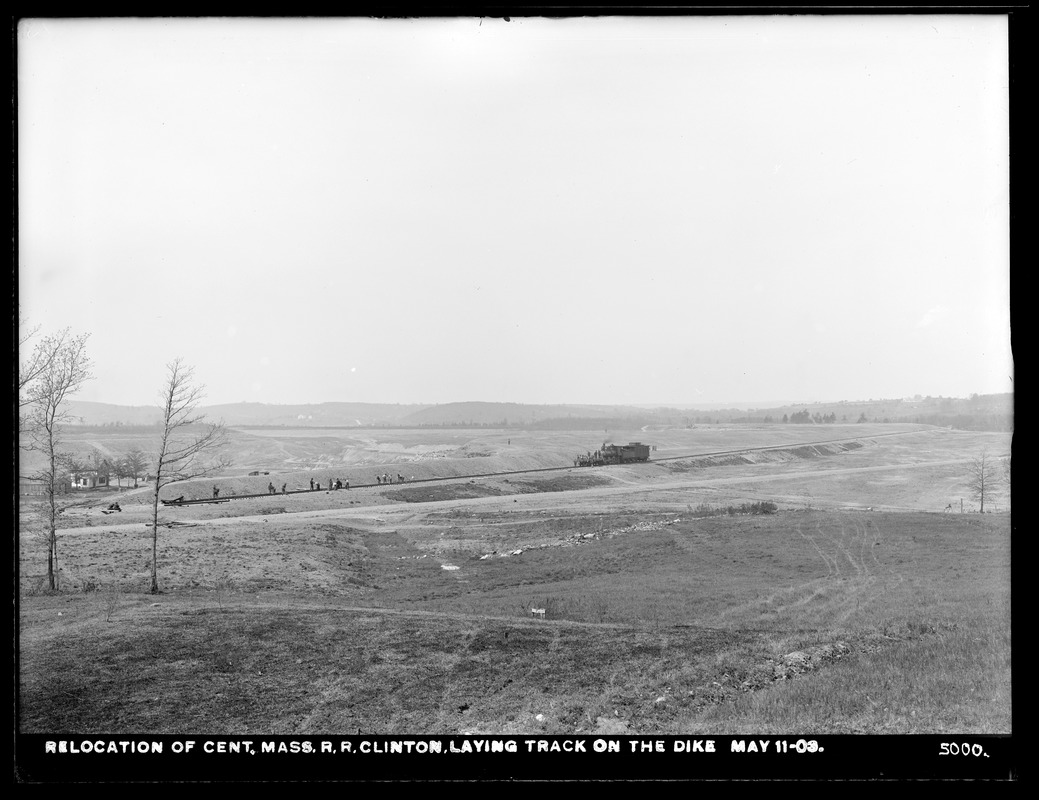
(763, 507)
(110, 600)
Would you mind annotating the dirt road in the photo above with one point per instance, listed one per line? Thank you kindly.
(626, 487)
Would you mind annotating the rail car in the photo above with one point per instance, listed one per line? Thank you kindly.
(614, 454)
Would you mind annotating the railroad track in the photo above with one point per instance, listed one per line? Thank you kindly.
(737, 451)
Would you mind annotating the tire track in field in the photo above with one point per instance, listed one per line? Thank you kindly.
(865, 553)
(875, 540)
(833, 570)
(848, 591)
(849, 584)
(793, 597)
(871, 567)
(845, 543)
(851, 596)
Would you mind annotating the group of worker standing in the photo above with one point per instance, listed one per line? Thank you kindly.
(338, 484)
(315, 486)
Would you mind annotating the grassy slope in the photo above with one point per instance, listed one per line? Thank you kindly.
(800, 622)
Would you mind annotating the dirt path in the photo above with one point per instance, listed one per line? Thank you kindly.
(576, 500)
(178, 604)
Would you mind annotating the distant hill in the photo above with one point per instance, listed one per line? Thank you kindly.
(983, 412)
(311, 414)
(978, 412)
(88, 413)
(506, 414)
(480, 414)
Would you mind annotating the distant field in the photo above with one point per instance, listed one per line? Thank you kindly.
(859, 606)
(292, 449)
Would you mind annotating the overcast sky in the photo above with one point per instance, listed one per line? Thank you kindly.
(615, 210)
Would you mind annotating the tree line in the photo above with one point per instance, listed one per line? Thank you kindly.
(52, 368)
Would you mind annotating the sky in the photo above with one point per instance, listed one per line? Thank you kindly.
(612, 210)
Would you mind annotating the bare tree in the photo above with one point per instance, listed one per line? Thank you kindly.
(187, 440)
(58, 367)
(982, 478)
(119, 471)
(135, 464)
(31, 367)
(101, 465)
(73, 465)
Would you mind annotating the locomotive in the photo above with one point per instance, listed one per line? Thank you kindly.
(614, 454)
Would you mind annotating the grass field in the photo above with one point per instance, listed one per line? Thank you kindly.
(857, 607)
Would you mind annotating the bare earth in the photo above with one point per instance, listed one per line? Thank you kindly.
(642, 550)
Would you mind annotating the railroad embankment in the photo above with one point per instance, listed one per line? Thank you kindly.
(774, 455)
(475, 464)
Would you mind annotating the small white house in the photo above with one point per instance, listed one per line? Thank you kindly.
(88, 480)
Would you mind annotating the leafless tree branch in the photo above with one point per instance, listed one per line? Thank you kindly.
(39, 362)
(179, 458)
(58, 369)
(982, 478)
